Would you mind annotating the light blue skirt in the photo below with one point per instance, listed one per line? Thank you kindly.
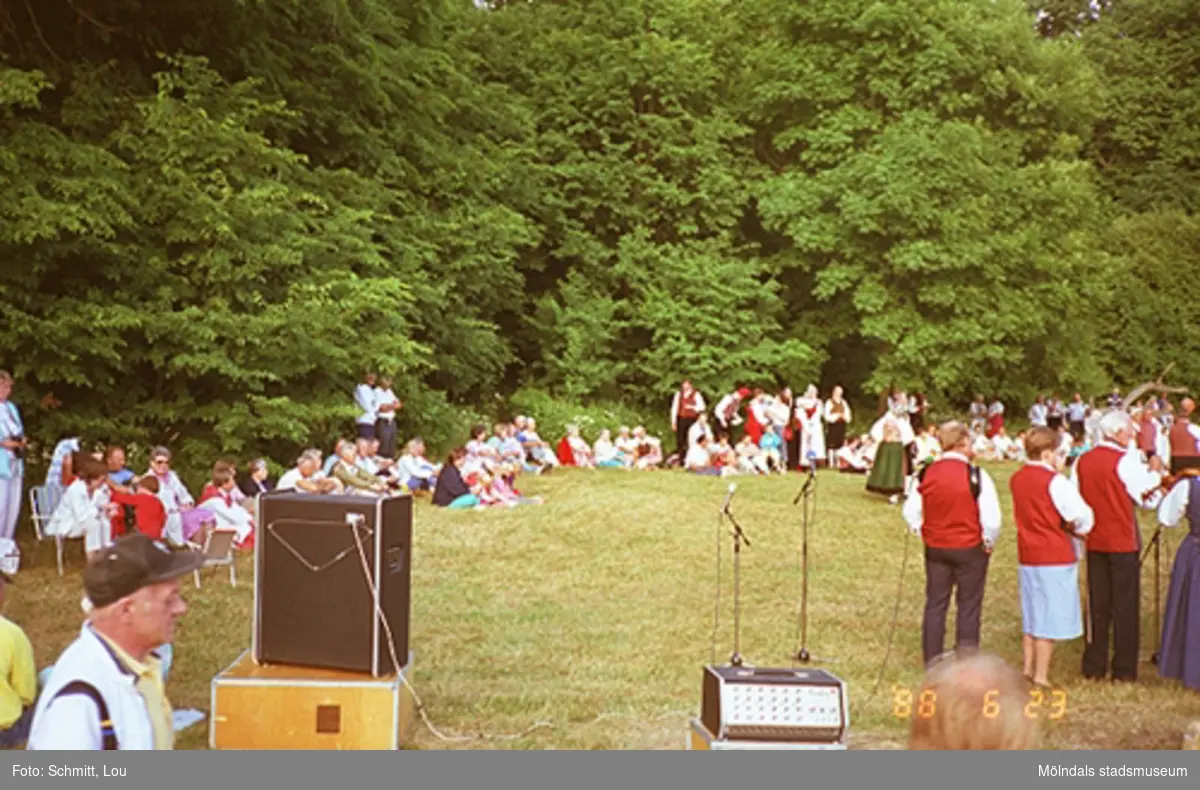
(1050, 601)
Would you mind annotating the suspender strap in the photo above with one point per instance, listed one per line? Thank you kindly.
(973, 478)
(107, 732)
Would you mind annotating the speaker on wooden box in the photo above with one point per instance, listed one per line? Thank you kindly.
(315, 604)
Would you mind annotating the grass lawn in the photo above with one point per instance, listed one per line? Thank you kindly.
(595, 612)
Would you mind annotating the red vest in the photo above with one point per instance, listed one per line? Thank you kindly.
(951, 514)
(1116, 519)
(688, 405)
(1148, 436)
(1182, 443)
(1040, 537)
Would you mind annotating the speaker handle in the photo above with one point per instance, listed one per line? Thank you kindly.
(303, 560)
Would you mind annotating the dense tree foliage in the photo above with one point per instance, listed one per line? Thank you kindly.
(217, 214)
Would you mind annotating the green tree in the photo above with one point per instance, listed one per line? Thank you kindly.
(926, 187)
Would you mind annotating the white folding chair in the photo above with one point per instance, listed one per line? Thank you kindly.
(218, 551)
(41, 508)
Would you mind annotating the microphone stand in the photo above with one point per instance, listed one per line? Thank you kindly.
(1156, 544)
(806, 493)
(739, 537)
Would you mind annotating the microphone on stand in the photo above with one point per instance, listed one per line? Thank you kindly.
(808, 481)
(728, 497)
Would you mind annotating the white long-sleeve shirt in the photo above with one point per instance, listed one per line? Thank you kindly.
(697, 430)
(382, 398)
(1068, 502)
(1135, 475)
(1038, 414)
(1174, 505)
(365, 396)
(989, 505)
(904, 427)
(831, 417)
(81, 515)
(724, 406)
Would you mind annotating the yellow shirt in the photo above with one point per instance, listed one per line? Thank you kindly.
(150, 685)
(18, 675)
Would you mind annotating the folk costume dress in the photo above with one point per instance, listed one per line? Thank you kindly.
(892, 434)
(1179, 652)
(837, 415)
(812, 431)
(1047, 554)
(995, 419)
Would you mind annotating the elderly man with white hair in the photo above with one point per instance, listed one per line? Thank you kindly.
(1115, 481)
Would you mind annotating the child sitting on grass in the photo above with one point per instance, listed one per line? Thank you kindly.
(722, 455)
(750, 457)
(771, 444)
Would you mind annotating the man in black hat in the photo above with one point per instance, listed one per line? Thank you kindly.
(18, 673)
(106, 690)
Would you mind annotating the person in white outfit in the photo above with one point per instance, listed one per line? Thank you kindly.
(106, 691)
(810, 413)
(12, 458)
(84, 511)
(367, 399)
(172, 493)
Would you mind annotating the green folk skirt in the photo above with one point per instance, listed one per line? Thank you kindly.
(891, 467)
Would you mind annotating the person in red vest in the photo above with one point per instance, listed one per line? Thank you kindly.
(956, 512)
(1048, 511)
(1115, 481)
(1185, 438)
(685, 408)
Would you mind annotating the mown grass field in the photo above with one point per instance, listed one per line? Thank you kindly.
(594, 612)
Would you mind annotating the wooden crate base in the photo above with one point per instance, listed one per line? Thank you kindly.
(268, 707)
(701, 740)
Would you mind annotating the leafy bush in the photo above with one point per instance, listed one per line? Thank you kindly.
(554, 414)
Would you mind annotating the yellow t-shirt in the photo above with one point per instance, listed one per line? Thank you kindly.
(18, 675)
(150, 686)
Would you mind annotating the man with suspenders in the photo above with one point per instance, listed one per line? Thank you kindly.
(956, 512)
(106, 690)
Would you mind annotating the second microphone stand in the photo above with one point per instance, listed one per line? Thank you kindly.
(807, 492)
(739, 537)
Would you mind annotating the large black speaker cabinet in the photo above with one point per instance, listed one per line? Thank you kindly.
(314, 602)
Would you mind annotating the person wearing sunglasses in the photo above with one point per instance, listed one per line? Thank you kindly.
(172, 492)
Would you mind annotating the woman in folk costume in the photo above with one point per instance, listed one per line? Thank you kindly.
(1179, 652)
(917, 406)
(893, 435)
(995, 418)
(837, 415)
(810, 414)
(685, 408)
(755, 416)
(1052, 519)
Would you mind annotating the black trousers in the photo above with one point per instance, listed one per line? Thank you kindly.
(682, 426)
(1181, 462)
(385, 432)
(963, 572)
(1114, 596)
(1076, 429)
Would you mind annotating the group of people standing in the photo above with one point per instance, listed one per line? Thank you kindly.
(1087, 520)
(810, 431)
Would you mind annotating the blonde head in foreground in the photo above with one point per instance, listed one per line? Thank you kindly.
(978, 704)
